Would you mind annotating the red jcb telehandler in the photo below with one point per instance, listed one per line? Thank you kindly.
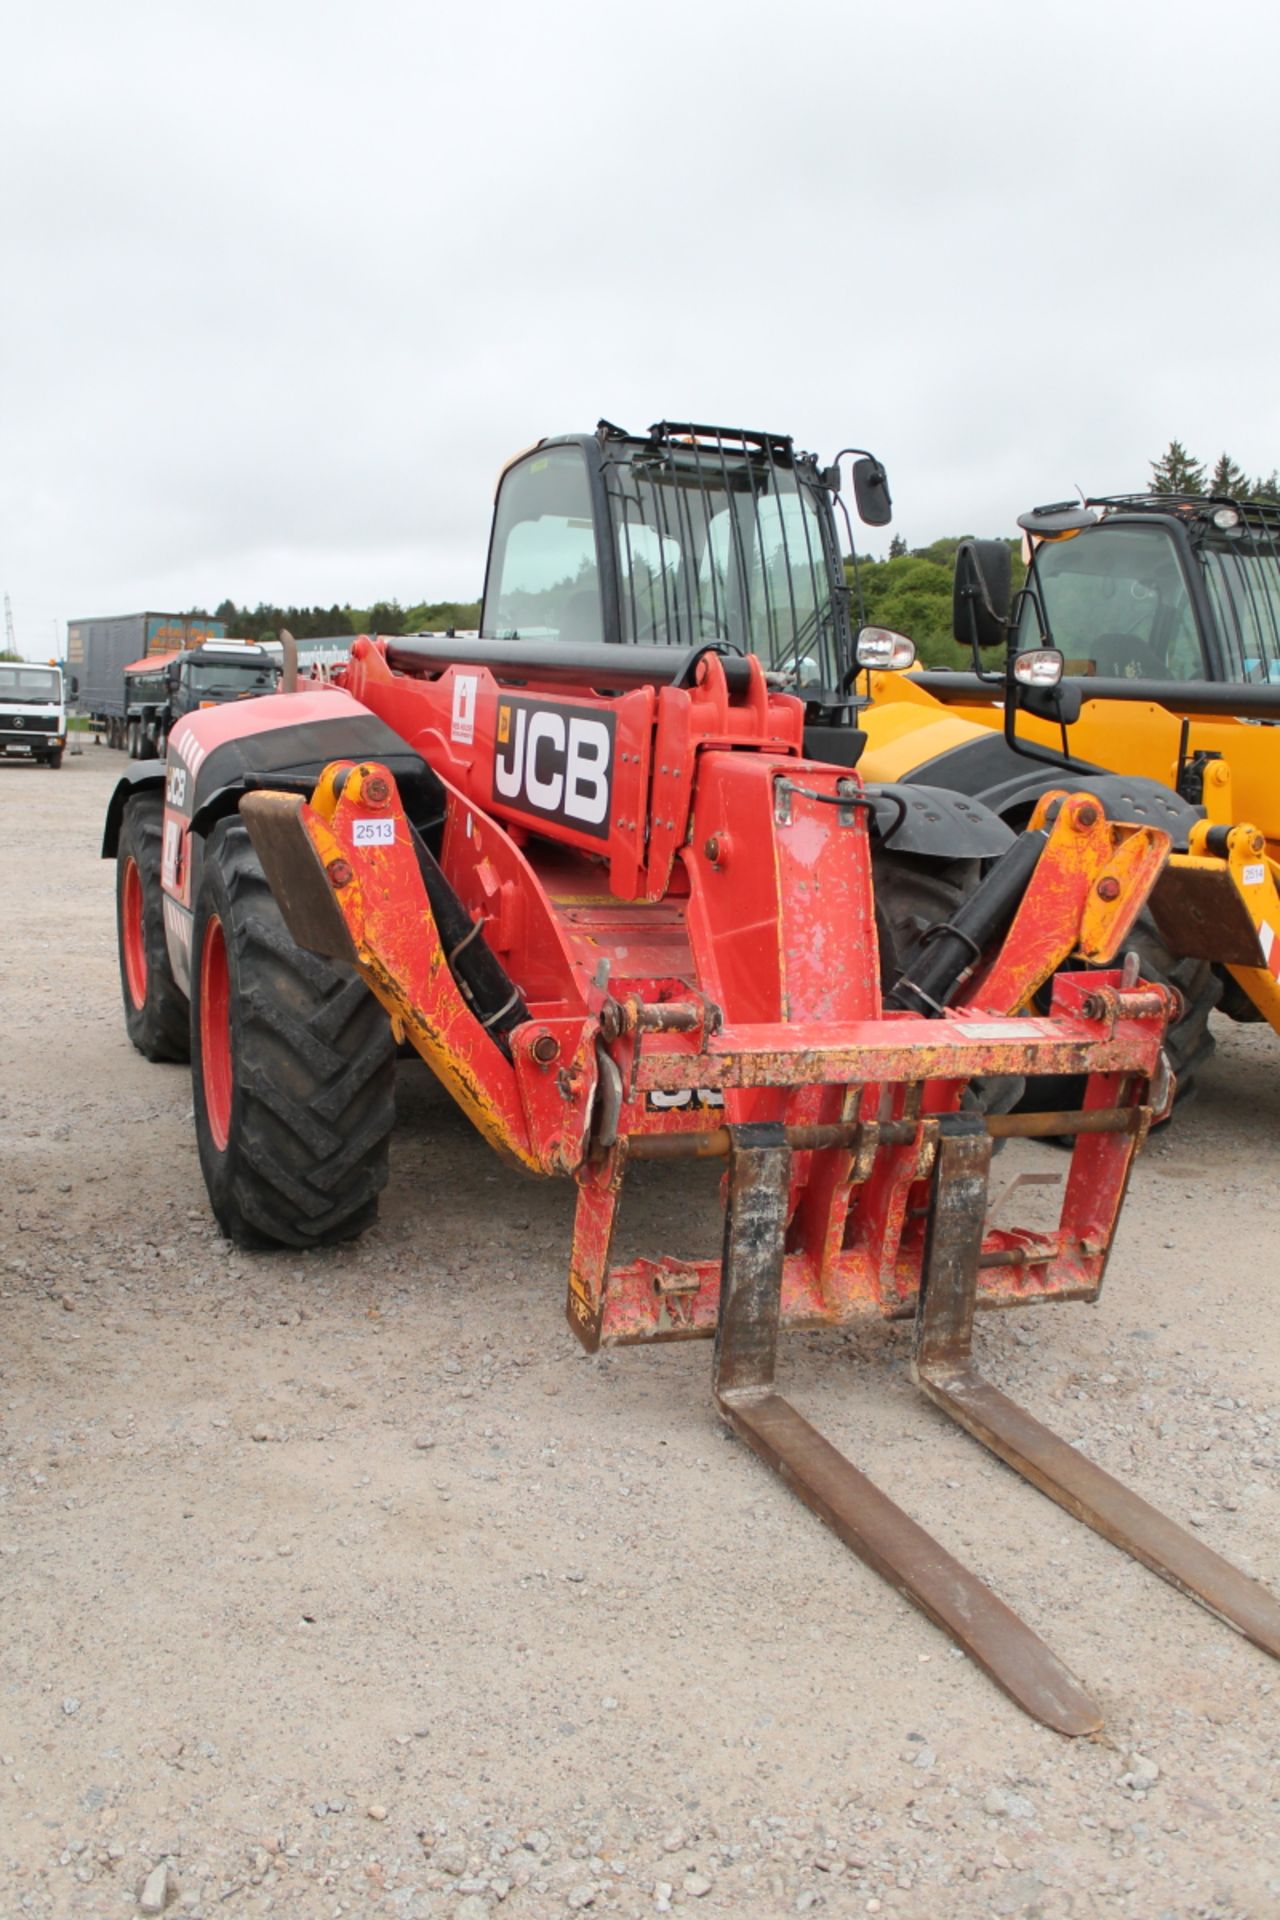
(623, 914)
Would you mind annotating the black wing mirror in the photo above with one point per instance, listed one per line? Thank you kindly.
(982, 593)
(871, 492)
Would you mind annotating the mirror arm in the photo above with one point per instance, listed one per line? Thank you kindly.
(987, 675)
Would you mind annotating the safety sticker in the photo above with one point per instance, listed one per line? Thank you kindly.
(998, 1029)
(373, 833)
(462, 724)
(1254, 874)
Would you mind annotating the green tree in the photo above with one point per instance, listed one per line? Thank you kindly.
(897, 548)
(1268, 489)
(1227, 480)
(387, 616)
(440, 615)
(1177, 472)
(911, 592)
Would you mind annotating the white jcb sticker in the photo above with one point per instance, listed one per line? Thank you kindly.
(1254, 874)
(373, 833)
(462, 726)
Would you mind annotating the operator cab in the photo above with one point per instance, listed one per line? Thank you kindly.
(688, 537)
(1159, 588)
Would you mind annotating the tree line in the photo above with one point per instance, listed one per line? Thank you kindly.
(1177, 471)
(264, 621)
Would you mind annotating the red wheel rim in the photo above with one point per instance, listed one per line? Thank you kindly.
(133, 939)
(215, 1033)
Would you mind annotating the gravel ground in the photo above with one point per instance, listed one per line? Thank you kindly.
(346, 1584)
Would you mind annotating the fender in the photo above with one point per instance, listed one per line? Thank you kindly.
(140, 777)
(936, 823)
(282, 741)
(985, 769)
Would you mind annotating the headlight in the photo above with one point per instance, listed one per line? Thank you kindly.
(1042, 667)
(882, 647)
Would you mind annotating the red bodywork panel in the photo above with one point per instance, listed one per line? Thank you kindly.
(684, 905)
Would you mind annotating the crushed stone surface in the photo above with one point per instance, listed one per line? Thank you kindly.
(344, 1584)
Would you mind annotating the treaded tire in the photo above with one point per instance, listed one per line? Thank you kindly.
(1191, 1042)
(293, 1068)
(155, 1007)
(913, 894)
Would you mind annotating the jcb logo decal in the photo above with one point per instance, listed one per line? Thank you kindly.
(556, 761)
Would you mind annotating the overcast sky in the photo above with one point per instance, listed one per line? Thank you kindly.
(282, 284)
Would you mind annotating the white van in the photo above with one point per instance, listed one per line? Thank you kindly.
(33, 713)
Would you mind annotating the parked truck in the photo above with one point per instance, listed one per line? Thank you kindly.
(161, 688)
(33, 712)
(99, 650)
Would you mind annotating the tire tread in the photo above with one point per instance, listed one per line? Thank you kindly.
(315, 1065)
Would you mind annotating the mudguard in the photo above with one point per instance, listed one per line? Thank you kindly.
(136, 779)
(985, 769)
(936, 824)
(282, 741)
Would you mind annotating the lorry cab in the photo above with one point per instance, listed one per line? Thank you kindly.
(33, 712)
(218, 671)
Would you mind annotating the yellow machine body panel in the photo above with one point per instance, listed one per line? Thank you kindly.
(1138, 737)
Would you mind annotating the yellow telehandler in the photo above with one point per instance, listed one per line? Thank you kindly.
(1142, 653)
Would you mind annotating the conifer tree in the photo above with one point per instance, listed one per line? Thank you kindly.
(1177, 472)
(1228, 480)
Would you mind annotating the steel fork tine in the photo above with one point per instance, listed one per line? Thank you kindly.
(943, 1368)
(853, 1507)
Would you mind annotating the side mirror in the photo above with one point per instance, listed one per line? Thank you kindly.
(882, 648)
(871, 492)
(75, 688)
(982, 593)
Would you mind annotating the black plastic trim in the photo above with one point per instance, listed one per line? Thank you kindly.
(136, 779)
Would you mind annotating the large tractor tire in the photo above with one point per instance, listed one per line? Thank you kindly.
(155, 1007)
(912, 895)
(293, 1068)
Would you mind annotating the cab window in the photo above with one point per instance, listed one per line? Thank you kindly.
(544, 579)
(1116, 604)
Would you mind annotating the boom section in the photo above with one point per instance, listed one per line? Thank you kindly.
(608, 768)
